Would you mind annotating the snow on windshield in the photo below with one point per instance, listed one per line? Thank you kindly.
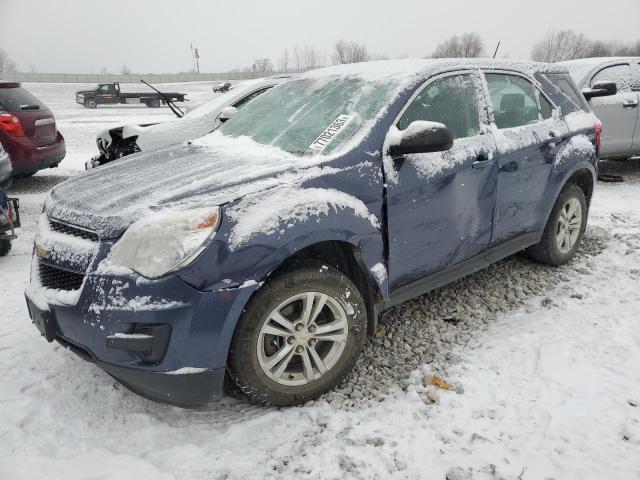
(197, 123)
(315, 115)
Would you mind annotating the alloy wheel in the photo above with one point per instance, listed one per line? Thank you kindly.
(569, 225)
(302, 338)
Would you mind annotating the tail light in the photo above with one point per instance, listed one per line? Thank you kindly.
(10, 124)
(598, 129)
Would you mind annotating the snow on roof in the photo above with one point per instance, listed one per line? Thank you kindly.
(378, 70)
(579, 69)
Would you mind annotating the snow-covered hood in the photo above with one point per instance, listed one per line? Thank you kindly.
(213, 171)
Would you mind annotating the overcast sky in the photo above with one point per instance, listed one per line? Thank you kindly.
(153, 36)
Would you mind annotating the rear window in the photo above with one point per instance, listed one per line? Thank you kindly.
(14, 99)
(567, 95)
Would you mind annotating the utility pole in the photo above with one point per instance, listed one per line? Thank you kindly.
(196, 57)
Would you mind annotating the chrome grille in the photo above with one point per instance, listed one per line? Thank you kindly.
(60, 227)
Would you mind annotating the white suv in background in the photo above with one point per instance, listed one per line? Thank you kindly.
(618, 113)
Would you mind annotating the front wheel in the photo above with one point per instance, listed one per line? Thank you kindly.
(90, 103)
(299, 336)
(565, 228)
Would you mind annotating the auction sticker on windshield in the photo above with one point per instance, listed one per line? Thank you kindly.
(332, 131)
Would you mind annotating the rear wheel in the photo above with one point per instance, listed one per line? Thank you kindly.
(565, 228)
(153, 103)
(5, 247)
(299, 336)
(90, 103)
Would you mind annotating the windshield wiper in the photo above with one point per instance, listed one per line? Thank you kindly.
(174, 108)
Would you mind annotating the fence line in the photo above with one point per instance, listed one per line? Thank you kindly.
(108, 78)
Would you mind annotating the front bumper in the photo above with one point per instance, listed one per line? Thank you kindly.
(191, 369)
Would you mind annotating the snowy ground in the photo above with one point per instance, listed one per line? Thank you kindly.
(551, 387)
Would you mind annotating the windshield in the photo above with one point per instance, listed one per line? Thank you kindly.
(313, 115)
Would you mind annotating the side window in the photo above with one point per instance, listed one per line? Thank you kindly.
(449, 100)
(514, 100)
(243, 101)
(567, 92)
(546, 109)
(621, 74)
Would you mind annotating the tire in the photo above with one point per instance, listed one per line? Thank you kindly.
(562, 237)
(90, 103)
(5, 247)
(153, 103)
(299, 376)
(24, 175)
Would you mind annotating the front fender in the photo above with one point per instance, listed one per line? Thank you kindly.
(248, 252)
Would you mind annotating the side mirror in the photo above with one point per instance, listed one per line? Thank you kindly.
(421, 137)
(600, 89)
(227, 113)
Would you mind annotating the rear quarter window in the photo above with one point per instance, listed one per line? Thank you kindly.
(14, 99)
(564, 92)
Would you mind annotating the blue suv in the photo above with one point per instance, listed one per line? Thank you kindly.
(266, 251)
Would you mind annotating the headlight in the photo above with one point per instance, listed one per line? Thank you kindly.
(166, 241)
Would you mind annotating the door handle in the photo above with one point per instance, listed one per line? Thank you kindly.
(630, 104)
(481, 161)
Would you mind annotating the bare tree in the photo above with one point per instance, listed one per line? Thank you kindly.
(349, 52)
(296, 57)
(468, 45)
(283, 63)
(262, 65)
(557, 46)
(125, 70)
(6, 64)
(311, 58)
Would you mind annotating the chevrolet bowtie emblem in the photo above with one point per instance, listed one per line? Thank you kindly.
(41, 250)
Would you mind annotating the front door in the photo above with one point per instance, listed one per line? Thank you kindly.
(440, 205)
(528, 138)
(107, 94)
(618, 113)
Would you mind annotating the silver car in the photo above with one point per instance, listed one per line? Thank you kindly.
(618, 113)
(5, 169)
(123, 140)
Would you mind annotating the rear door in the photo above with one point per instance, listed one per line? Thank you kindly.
(618, 113)
(440, 205)
(527, 138)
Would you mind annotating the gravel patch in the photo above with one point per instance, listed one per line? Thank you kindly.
(629, 170)
(35, 184)
(431, 328)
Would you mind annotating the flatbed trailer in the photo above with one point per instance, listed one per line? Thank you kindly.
(110, 94)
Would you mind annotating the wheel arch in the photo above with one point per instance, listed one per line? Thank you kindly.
(348, 259)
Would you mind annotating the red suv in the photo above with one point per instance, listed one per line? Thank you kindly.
(28, 131)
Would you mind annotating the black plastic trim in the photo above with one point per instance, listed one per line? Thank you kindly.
(462, 269)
